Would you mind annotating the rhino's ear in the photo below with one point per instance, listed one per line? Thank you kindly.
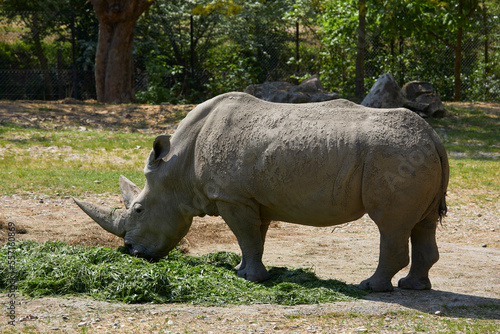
(129, 191)
(161, 147)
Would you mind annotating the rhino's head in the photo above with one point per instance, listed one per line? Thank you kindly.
(152, 222)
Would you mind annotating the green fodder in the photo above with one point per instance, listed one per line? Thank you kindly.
(55, 268)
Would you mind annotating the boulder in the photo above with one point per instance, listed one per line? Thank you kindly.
(310, 90)
(418, 96)
(413, 89)
(385, 93)
(423, 100)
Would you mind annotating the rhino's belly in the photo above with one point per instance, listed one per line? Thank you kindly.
(312, 204)
(312, 216)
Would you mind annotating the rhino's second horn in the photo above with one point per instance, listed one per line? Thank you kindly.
(108, 218)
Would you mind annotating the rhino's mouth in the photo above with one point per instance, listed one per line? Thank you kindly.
(133, 251)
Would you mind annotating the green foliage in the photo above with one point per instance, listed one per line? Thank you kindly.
(54, 268)
(232, 45)
(413, 40)
(231, 71)
(235, 43)
(339, 30)
(157, 91)
(17, 54)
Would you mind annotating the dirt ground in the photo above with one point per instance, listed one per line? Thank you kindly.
(467, 274)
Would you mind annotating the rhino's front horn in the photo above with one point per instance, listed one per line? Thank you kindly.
(110, 219)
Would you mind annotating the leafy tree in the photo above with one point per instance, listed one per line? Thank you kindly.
(360, 52)
(41, 21)
(211, 46)
(400, 33)
(173, 35)
(447, 22)
(48, 26)
(339, 24)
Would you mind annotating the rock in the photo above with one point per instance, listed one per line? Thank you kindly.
(434, 106)
(423, 100)
(385, 93)
(413, 89)
(310, 90)
(418, 96)
(416, 107)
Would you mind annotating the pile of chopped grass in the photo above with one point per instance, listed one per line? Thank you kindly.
(55, 268)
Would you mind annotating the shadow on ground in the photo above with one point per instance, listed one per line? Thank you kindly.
(445, 303)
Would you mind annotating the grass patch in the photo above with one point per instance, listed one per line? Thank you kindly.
(471, 131)
(64, 181)
(472, 139)
(480, 177)
(69, 162)
(17, 137)
(55, 268)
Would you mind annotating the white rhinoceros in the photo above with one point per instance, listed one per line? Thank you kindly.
(318, 164)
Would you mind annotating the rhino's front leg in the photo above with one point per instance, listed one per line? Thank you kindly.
(263, 231)
(250, 231)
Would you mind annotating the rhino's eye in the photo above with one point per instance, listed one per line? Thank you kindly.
(138, 209)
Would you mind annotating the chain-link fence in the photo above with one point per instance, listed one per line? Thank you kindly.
(36, 61)
(434, 62)
(47, 56)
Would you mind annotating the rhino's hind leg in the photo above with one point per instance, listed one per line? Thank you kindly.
(393, 256)
(424, 254)
(250, 231)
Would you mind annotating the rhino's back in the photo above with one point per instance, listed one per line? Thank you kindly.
(299, 162)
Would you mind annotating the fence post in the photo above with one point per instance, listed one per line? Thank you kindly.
(191, 62)
(73, 51)
(297, 44)
(60, 80)
(360, 52)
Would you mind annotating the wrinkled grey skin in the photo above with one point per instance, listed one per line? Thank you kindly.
(319, 164)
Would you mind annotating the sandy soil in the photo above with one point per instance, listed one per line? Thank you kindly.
(467, 274)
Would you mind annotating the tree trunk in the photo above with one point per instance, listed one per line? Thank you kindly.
(486, 39)
(114, 66)
(458, 66)
(458, 47)
(360, 59)
(44, 63)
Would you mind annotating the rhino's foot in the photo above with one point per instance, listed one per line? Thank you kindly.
(412, 283)
(376, 285)
(254, 274)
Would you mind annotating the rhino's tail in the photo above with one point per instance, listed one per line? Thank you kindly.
(445, 174)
